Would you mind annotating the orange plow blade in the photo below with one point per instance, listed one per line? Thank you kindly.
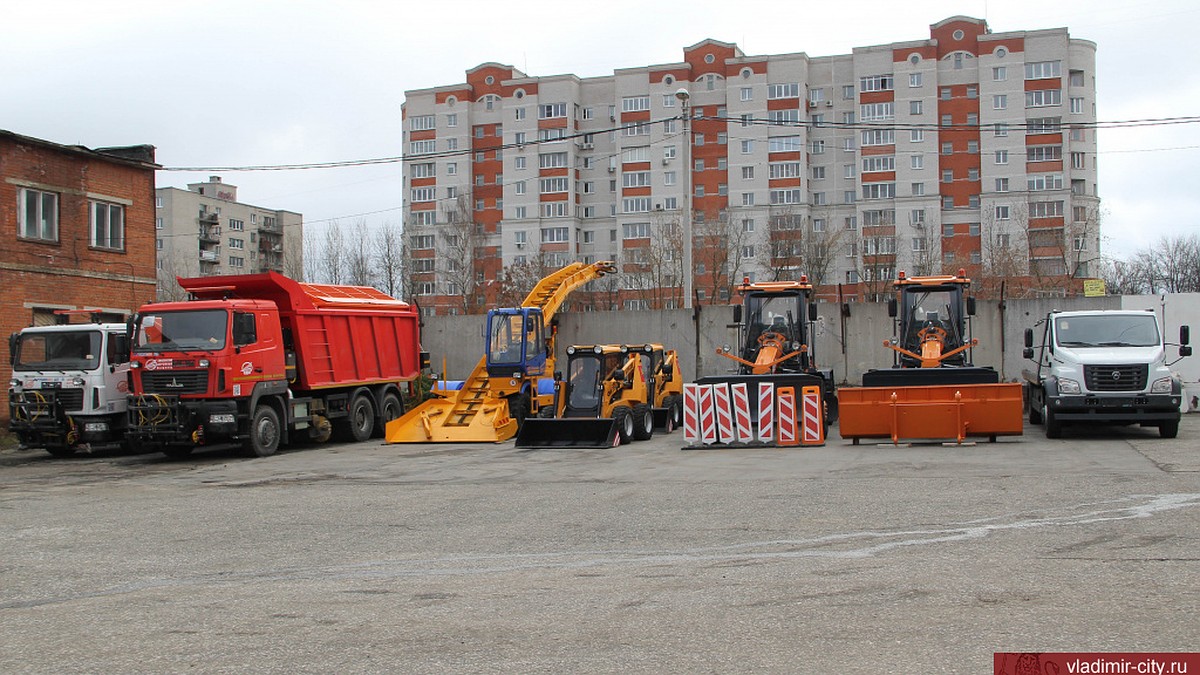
(940, 412)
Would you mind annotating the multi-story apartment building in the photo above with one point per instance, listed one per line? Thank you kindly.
(76, 227)
(204, 231)
(968, 149)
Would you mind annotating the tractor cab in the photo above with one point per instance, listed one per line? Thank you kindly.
(515, 342)
(591, 372)
(932, 315)
(772, 326)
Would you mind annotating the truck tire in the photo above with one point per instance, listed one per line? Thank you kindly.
(1053, 426)
(624, 419)
(265, 432)
(643, 422)
(359, 422)
(1035, 412)
(674, 407)
(390, 408)
(1168, 429)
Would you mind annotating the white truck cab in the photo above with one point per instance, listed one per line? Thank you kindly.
(1103, 367)
(69, 385)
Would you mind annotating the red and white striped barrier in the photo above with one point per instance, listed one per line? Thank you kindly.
(766, 412)
(787, 416)
(691, 413)
(741, 412)
(708, 417)
(812, 429)
(724, 413)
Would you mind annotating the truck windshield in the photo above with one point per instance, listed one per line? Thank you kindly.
(779, 313)
(75, 350)
(199, 330)
(583, 382)
(1113, 330)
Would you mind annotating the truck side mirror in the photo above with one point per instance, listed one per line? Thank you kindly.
(737, 313)
(971, 306)
(1027, 352)
(12, 349)
(1185, 351)
(1184, 335)
(1028, 337)
(892, 311)
(812, 311)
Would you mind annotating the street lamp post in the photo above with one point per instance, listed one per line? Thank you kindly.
(683, 96)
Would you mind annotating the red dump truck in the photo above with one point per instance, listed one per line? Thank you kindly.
(260, 360)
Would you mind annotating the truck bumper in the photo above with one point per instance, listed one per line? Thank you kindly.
(1149, 408)
(169, 420)
(41, 422)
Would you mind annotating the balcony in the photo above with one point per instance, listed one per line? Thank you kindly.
(210, 233)
(209, 256)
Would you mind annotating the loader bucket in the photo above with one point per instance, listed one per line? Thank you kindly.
(941, 412)
(570, 432)
(438, 420)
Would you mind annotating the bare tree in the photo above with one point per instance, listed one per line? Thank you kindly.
(331, 266)
(721, 248)
(1125, 277)
(293, 254)
(387, 248)
(358, 263)
(1004, 253)
(1174, 263)
(460, 239)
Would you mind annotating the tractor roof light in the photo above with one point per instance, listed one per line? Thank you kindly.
(570, 350)
(901, 275)
(597, 349)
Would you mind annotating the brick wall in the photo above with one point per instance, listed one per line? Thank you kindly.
(70, 273)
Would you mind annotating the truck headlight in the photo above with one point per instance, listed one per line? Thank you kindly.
(13, 384)
(203, 363)
(1161, 386)
(1066, 386)
(95, 426)
(223, 418)
(78, 382)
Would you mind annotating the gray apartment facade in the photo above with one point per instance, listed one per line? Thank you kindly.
(205, 231)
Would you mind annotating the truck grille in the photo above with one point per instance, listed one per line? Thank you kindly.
(175, 382)
(71, 400)
(1116, 378)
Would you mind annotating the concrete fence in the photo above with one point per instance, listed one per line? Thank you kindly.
(850, 344)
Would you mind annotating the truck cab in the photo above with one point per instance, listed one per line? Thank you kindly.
(68, 386)
(1103, 367)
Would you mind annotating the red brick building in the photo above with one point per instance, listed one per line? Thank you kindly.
(76, 231)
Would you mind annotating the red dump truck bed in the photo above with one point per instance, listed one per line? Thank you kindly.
(342, 335)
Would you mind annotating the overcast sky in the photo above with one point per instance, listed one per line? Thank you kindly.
(243, 82)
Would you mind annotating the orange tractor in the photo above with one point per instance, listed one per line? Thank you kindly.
(933, 390)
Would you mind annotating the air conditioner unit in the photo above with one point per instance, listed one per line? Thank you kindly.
(828, 104)
(612, 169)
(520, 244)
(587, 146)
(666, 161)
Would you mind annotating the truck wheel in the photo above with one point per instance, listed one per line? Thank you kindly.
(624, 419)
(390, 409)
(359, 420)
(1168, 429)
(643, 422)
(264, 432)
(1053, 426)
(675, 410)
(1035, 412)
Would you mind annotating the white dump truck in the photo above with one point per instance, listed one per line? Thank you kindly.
(69, 386)
(1103, 367)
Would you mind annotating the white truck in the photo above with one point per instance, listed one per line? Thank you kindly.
(69, 386)
(1103, 367)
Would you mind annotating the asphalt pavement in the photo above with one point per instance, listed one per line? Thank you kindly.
(488, 558)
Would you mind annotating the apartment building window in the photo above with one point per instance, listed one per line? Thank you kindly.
(972, 174)
(670, 203)
(635, 103)
(237, 243)
(1076, 105)
(747, 199)
(699, 165)
(848, 92)
(973, 229)
(879, 191)
(552, 110)
(636, 230)
(519, 187)
(876, 112)
(918, 189)
(914, 79)
(424, 194)
(999, 73)
(879, 217)
(947, 202)
(972, 91)
(639, 153)
(877, 83)
(552, 235)
(1003, 212)
(1041, 182)
(452, 167)
(668, 151)
(851, 222)
(848, 117)
(878, 163)
(818, 172)
(917, 217)
(818, 199)
(818, 225)
(817, 148)
(947, 148)
(917, 162)
(787, 90)
(631, 179)
(422, 170)
(635, 205)
(1077, 160)
(916, 135)
(1042, 98)
(947, 175)
(237, 262)
(878, 137)
(945, 93)
(452, 120)
(747, 173)
(914, 107)
(947, 230)
(1076, 78)
(747, 94)
(1000, 102)
(785, 144)
(1003, 240)
(789, 196)
(669, 178)
(1001, 130)
(158, 223)
(1001, 185)
(422, 123)
(1043, 153)
(947, 121)
(747, 224)
(451, 144)
(107, 225)
(1040, 70)
(554, 185)
(422, 147)
(1045, 209)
